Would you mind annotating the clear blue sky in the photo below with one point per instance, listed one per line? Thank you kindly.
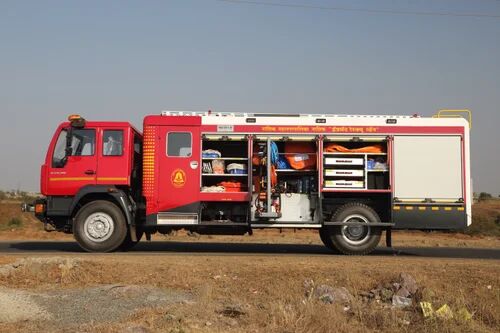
(121, 60)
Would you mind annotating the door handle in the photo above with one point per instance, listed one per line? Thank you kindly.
(89, 172)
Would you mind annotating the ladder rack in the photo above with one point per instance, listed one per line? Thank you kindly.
(302, 115)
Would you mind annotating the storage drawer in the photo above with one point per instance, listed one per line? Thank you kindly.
(344, 161)
(345, 183)
(344, 172)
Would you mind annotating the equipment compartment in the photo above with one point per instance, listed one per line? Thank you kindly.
(353, 163)
(224, 166)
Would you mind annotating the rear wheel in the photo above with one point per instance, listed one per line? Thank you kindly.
(100, 227)
(359, 238)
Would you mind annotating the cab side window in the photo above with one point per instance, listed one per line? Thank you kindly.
(179, 144)
(83, 142)
(112, 143)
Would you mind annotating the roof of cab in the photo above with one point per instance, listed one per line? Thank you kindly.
(106, 124)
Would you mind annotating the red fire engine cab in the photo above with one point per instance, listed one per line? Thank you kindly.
(350, 177)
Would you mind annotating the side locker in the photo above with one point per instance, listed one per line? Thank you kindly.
(428, 182)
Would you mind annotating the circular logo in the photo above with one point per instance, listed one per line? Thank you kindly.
(178, 178)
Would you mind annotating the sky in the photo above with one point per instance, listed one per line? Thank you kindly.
(122, 60)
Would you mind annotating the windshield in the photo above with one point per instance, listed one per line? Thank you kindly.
(59, 150)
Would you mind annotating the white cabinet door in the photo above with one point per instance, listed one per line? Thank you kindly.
(428, 167)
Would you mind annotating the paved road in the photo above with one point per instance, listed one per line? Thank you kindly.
(247, 249)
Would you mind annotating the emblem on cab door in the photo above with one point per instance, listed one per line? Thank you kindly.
(178, 178)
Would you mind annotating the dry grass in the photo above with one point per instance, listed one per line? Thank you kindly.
(269, 294)
(29, 228)
(486, 218)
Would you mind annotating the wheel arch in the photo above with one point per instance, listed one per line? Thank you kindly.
(380, 203)
(108, 193)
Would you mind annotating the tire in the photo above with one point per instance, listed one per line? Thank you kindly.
(128, 244)
(100, 227)
(324, 235)
(355, 240)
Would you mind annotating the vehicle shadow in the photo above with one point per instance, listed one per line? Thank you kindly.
(202, 248)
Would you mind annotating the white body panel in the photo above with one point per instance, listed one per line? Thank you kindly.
(428, 167)
(295, 207)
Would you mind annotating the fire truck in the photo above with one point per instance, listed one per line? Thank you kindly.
(351, 177)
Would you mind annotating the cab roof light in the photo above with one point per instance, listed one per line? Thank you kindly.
(76, 121)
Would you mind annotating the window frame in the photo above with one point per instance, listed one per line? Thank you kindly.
(190, 144)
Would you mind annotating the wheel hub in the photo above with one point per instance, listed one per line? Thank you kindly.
(98, 227)
(355, 234)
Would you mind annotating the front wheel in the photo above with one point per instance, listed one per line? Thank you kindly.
(100, 227)
(359, 238)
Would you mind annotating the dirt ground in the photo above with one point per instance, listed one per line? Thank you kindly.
(186, 293)
(239, 293)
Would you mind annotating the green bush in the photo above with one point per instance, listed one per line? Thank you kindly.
(484, 196)
(15, 222)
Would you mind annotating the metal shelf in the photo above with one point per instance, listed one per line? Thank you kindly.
(226, 158)
(225, 174)
(346, 153)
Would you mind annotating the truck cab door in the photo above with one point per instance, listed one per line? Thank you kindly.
(179, 169)
(115, 151)
(70, 169)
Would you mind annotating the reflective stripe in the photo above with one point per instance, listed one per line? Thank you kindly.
(112, 178)
(61, 179)
(423, 208)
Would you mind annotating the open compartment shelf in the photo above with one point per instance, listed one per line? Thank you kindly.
(224, 166)
(297, 170)
(355, 165)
